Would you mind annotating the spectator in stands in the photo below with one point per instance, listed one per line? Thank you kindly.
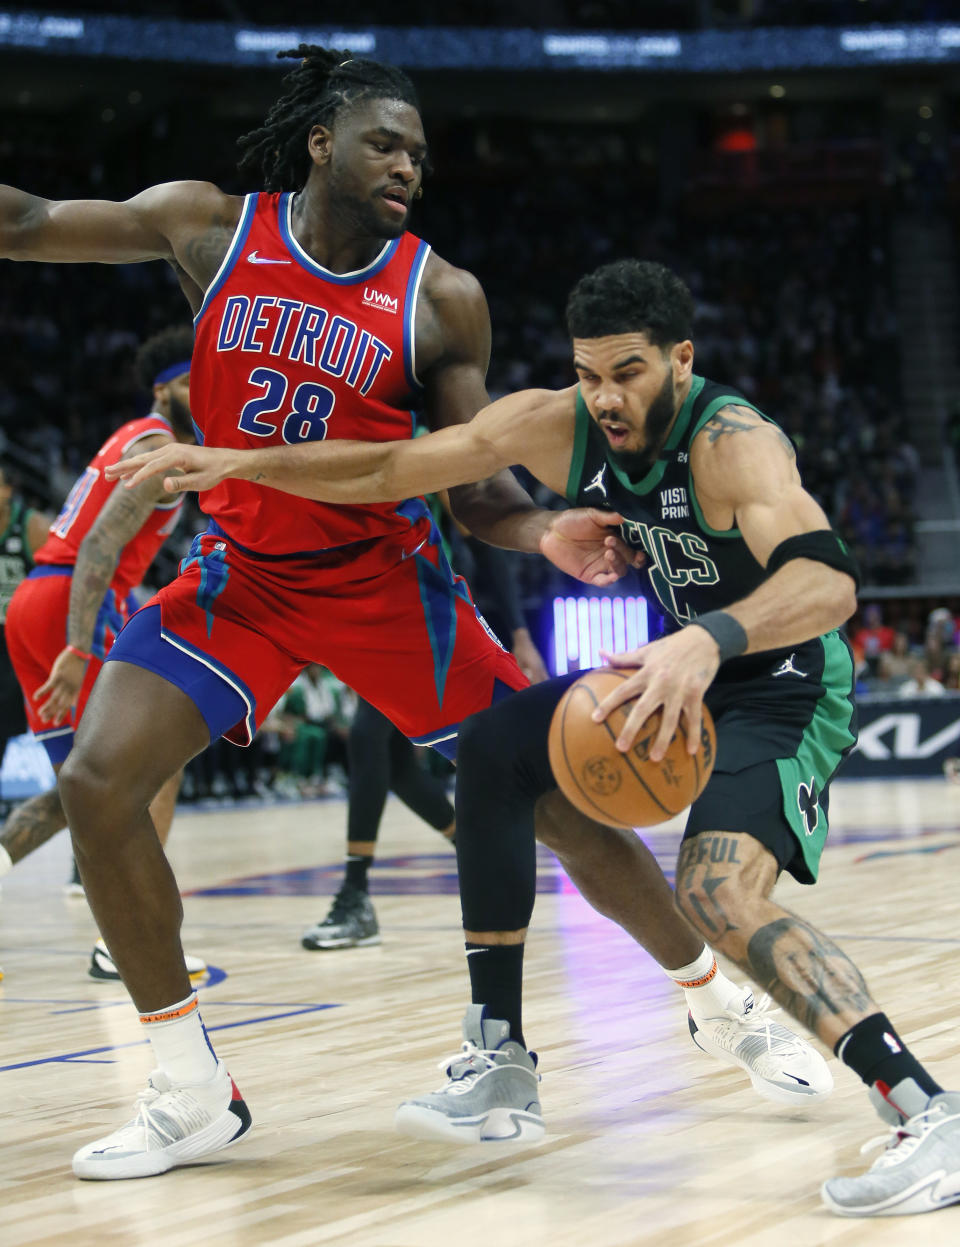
(939, 640)
(921, 682)
(874, 637)
(893, 665)
(951, 676)
(318, 709)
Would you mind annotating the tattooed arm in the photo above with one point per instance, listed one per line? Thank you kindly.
(745, 473)
(125, 513)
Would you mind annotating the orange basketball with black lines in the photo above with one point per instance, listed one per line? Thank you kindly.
(623, 789)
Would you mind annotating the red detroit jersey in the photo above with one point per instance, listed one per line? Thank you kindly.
(288, 351)
(87, 499)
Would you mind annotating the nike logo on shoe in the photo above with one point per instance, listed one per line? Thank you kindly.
(255, 258)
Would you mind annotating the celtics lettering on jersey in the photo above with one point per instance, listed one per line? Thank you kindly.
(674, 560)
(691, 567)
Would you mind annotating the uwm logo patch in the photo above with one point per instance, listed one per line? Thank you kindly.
(376, 298)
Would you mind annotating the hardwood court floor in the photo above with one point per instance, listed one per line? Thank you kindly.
(649, 1141)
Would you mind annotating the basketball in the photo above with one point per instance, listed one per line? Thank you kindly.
(623, 789)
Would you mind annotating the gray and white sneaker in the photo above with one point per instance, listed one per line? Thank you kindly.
(918, 1171)
(782, 1066)
(351, 923)
(491, 1092)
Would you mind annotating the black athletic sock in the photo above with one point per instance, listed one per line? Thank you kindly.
(357, 867)
(496, 980)
(877, 1054)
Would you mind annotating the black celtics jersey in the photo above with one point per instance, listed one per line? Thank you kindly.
(692, 568)
(15, 557)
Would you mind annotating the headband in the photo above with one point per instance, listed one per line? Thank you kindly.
(171, 371)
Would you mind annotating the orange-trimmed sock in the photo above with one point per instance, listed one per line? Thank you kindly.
(708, 991)
(179, 1041)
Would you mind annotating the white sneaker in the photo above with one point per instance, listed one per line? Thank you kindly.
(102, 967)
(173, 1125)
(781, 1065)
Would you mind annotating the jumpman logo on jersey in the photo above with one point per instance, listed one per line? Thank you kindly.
(598, 482)
(808, 802)
(787, 668)
(255, 258)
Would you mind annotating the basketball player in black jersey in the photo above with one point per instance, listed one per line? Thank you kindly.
(754, 583)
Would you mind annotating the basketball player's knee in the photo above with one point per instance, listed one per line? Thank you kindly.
(85, 792)
(481, 744)
(560, 827)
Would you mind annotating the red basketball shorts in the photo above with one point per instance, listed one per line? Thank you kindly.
(36, 630)
(387, 617)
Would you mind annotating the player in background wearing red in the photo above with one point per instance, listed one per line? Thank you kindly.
(63, 618)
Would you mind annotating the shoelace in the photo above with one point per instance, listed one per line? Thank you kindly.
(158, 1085)
(902, 1141)
(343, 906)
(759, 1021)
(460, 1081)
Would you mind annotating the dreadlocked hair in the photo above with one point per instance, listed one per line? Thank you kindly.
(324, 82)
(170, 346)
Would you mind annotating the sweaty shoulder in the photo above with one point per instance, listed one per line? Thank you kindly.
(453, 322)
(199, 219)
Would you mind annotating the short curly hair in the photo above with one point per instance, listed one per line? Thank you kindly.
(631, 296)
(169, 346)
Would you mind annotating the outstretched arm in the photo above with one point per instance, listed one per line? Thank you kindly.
(189, 224)
(530, 428)
(346, 471)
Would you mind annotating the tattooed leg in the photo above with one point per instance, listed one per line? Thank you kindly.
(723, 884)
(32, 824)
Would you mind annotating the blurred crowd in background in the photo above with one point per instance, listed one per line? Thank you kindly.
(778, 217)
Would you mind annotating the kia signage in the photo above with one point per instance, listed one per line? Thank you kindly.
(904, 736)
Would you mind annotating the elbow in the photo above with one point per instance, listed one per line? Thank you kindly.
(845, 598)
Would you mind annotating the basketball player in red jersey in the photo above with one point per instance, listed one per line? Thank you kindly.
(317, 316)
(97, 550)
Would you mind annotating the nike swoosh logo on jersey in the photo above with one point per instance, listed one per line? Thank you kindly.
(254, 258)
(405, 554)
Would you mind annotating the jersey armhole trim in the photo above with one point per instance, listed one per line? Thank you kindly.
(233, 251)
(577, 458)
(410, 299)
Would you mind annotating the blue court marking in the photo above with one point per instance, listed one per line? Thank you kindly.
(927, 848)
(431, 875)
(88, 1056)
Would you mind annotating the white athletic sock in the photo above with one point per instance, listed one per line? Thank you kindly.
(708, 991)
(6, 863)
(180, 1043)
